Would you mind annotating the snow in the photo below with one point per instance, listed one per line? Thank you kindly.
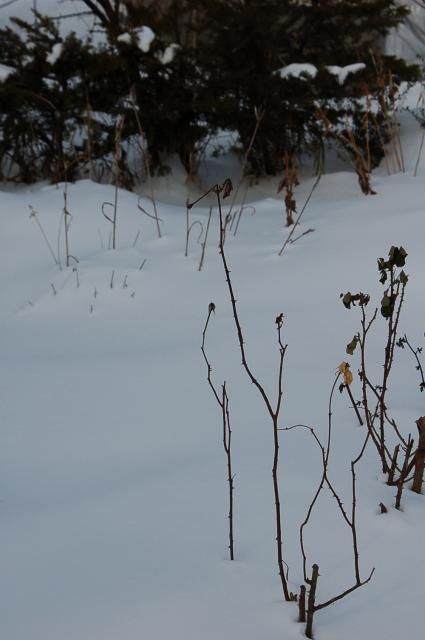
(169, 53)
(5, 72)
(342, 73)
(125, 37)
(55, 53)
(145, 37)
(112, 473)
(302, 71)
